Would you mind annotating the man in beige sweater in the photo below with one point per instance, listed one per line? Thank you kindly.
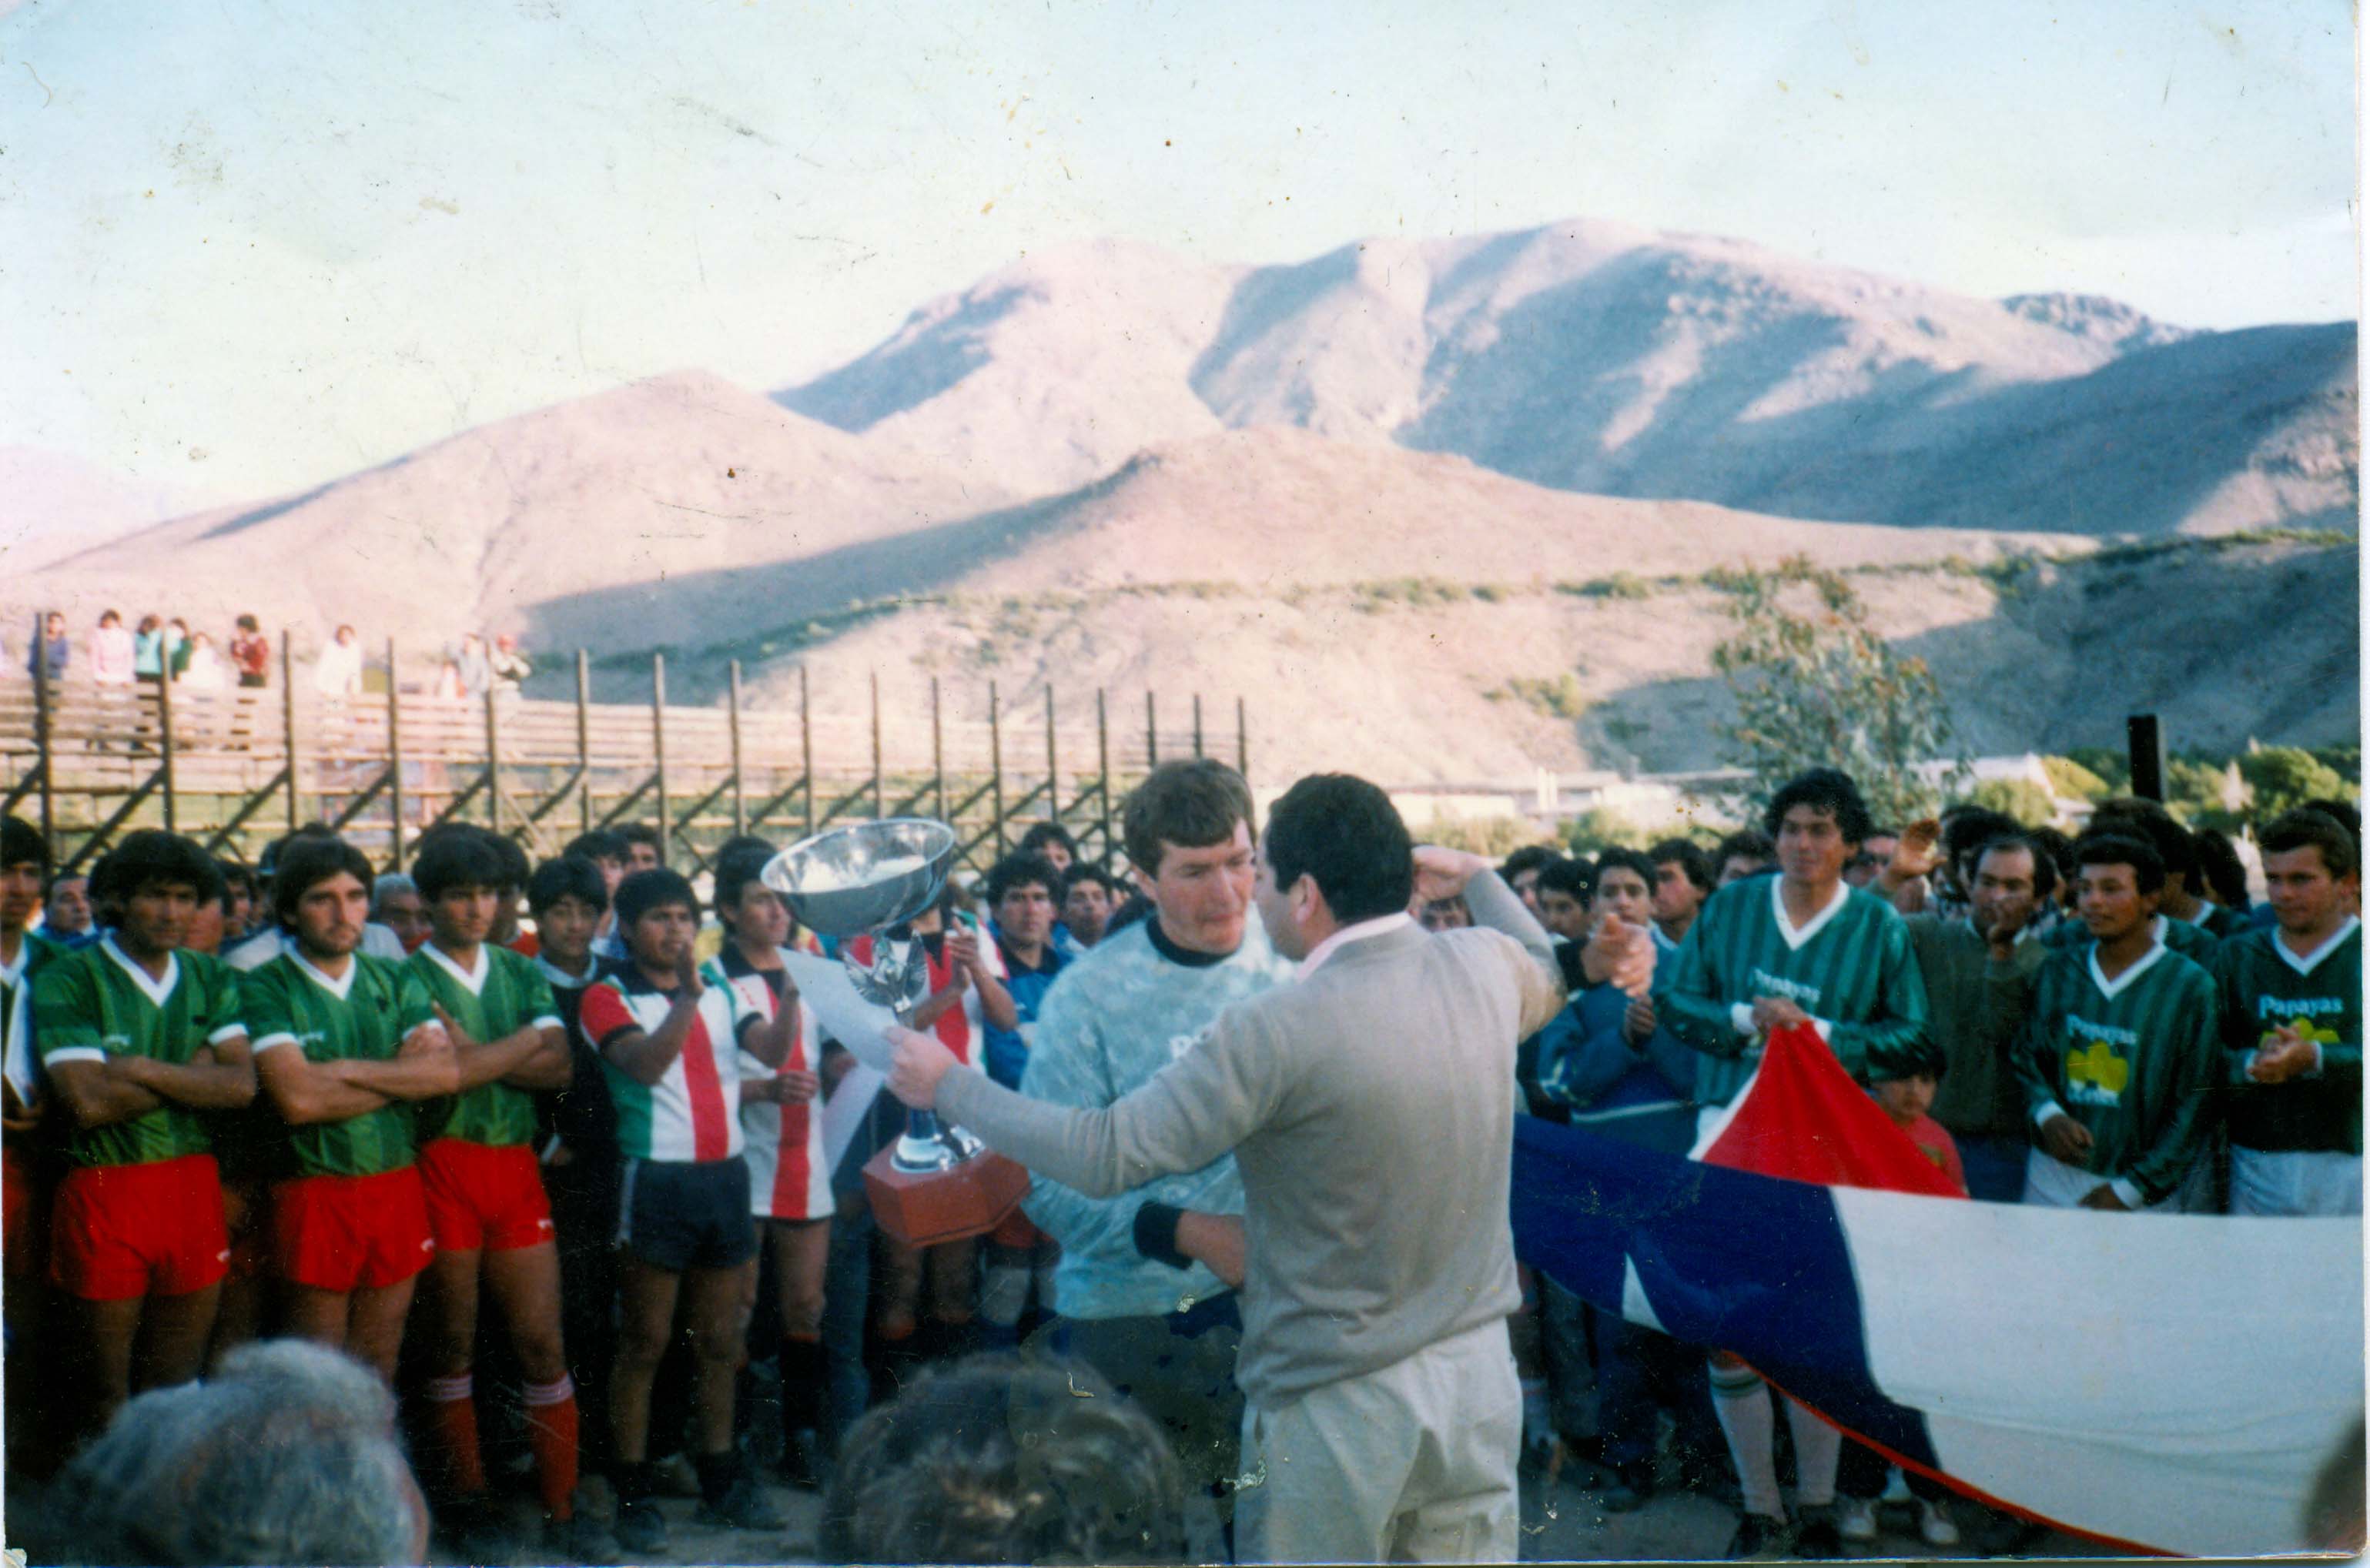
(1370, 1107)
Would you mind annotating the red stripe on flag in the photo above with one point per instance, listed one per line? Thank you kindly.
(1802, 1117)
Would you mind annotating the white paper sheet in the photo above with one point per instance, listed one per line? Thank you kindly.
(844, 1112)
(860, 1025)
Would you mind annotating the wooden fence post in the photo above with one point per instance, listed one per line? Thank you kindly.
(995, 766)
(165, 743)
(806, 748)
(288, 719)
(879, 802)
(584, 740)
(43, 696)
(938, 754)
(658, 751)
(1197, 724)
(732, 718)
(1151, 734)
(1102, 765)
(1242, 742)
(394, 755)
(493, 763)
(1053, 764)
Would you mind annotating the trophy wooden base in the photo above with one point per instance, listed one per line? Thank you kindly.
(923, 1208)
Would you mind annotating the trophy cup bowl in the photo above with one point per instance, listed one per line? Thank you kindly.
(871, 879)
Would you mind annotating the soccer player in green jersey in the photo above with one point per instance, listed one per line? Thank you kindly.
(484, 1190)
(1770, 952)
(24, 867)
(347, 1047)
(138, 1040)
(2120, 1056)
(2291, 1028)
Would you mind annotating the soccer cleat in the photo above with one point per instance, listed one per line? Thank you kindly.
(582, 1540)
(1935, 1527)
(1632, 1486)
(1816, 1534)
(1855, 1519)
(1758, 1538)
(642, 1528)
(743, 1507)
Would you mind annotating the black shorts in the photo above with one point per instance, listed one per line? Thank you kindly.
(680, 1214)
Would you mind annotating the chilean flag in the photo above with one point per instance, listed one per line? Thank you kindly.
(2164, 1383)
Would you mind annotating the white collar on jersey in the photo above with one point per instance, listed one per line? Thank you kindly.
(2121, 983)
(13, 970)
(2306, 963)
(155, 990)
(472, 979)
(567, 982)
(1357, 932)
(1794, 937)
(339, 988)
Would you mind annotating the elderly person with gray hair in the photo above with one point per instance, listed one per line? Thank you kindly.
(287, 1455)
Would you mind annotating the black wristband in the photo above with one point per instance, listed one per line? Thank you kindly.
(1156, 1235)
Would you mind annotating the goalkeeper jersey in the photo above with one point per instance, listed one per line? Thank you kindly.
(2266, 984)
(364, 1015)
(95, 1002)
(503, 993)
(2134, 1060)
(1849, 966)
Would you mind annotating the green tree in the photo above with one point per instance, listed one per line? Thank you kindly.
(2020, 798)
(2286, 776)
(2072, 780)
(1496, 837)
(1597, 830)
(2110, 765)
(1816, 686)
(2205, 794)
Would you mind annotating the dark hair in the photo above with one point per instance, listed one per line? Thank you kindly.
(598, 844)
(1044, 833)
(1190, 805)
(1004, 1460)
(1347, 835)
(1628, 860)
(1530, 857)
(1086, 871)
(640, 833)
(1825, 789)
(1020, 869)
(153, 855)
(2123, 848)
(307, 860)
(2044, 863)
(2344, 813)
(2218, 864)
(1926, 1056)
(1968, 829)
(2144, 819)
(2059, 848)
(566, 877)
(1131, 910)
(452, 861)
(1749, 842)
(1573, 879)
(1689, 856)
(2309, 826)
(69, 874)
(247, 623)
(516, 866)
(737, 865)
(239, 874)
(646, 890)
(21, 844)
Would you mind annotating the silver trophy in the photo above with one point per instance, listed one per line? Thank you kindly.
(871, 879)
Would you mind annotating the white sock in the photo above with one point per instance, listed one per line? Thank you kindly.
(1003, 1293)
(1740, 1399)
(1817, 1447)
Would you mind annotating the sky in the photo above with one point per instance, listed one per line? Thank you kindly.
(249, 246)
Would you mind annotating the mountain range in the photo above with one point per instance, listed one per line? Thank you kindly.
(1392, 495)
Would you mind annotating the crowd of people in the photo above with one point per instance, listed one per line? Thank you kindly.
(157, 650)
(542, 1147)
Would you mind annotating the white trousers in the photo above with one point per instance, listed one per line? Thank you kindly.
(2291, 1182)
(2049, 1183)
(1411, 1463)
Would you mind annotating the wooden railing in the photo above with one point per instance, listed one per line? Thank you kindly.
(236, 769)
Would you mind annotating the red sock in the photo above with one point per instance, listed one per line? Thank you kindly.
(452, 1407)
(551, 1433)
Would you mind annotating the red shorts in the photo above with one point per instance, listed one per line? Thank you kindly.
(118, 1232)
(350, 1232)
(484, 1197)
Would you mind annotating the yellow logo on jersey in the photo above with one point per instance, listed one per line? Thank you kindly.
(2098, 1067)
(2318, 1034)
